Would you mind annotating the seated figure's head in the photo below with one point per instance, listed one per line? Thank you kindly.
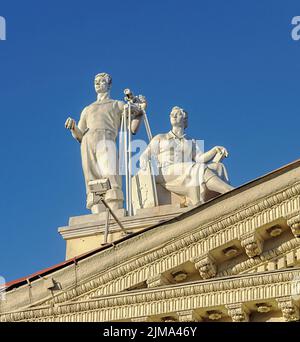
(179, 117)
(102, 83)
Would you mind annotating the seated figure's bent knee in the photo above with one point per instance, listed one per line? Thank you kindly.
(220, 170)
(208, 175)
(218, 185)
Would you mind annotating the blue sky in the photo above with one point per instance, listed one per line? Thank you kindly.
(231, 64)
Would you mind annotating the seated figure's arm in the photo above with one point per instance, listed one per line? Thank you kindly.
(77, 130)
(201, 157)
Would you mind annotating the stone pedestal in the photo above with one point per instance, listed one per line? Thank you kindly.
(86, 232)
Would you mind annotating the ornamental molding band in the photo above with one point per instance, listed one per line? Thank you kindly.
(233, 258)
(238, 297)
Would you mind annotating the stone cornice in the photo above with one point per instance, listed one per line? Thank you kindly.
(154, 252)
(228, 292)
(199, 242)
(271, 255)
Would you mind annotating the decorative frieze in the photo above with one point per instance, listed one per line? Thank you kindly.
(204, 295)
(289, 308)
(238, 312)
(206, 266)
(253, 244)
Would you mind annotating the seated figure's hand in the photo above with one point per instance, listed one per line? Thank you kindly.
(220, 153)
(221, 150)
(70, 124)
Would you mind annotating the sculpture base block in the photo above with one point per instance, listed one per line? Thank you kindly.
(86, 232)
(90, 218)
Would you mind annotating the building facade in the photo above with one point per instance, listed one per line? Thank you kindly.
(233, 258)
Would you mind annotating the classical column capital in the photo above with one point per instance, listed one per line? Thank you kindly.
(253, 244)
(206, 266)
(294, 223)
(238, 312)
(289, 309)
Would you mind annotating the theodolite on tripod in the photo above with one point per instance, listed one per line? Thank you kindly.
(136, 101)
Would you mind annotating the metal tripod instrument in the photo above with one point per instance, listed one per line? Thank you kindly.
(127, 139)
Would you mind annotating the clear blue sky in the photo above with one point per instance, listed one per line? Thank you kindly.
(231, 64)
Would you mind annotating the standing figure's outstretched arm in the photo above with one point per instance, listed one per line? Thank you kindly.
(77, 130)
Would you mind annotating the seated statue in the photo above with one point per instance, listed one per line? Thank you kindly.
(182, 167)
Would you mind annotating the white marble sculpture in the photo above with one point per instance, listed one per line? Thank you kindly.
(97, 131)
(182, 167)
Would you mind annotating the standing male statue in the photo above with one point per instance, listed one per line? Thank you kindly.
(97, 131)
(182, 167)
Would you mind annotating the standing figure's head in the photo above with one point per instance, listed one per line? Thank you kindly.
(102, 83)
(179, 117)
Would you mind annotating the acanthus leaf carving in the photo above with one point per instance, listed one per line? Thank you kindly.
(294, 223)
(238, 312)
(289, 309)
(206, 266)
(253, 244)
